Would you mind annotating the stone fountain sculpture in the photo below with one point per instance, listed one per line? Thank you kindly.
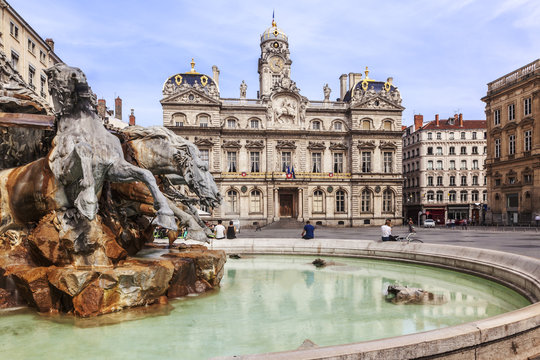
(69, 220)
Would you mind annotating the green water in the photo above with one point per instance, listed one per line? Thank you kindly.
(266, 303)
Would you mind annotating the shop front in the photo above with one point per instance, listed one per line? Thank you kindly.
(458, 212)
(435, 213)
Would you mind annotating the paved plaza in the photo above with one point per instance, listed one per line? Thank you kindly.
(522, 241)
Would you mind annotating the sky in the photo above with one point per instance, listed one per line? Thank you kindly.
(440, 53)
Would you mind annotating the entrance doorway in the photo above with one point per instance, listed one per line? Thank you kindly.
(286, 205)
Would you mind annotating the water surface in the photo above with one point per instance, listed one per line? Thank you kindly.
(266, 303)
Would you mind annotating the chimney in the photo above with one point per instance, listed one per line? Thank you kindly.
(118, 108)
(436, 119)
(50, 42)
(101, 107)
(461, 120)
(132, 118)
(342, 86)
(215, 74)
(418, 122)
(351, 80)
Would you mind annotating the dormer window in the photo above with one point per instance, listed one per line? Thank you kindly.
(338, 126)
(203, 120)
(231, 124)
(316, 125)
(254, 124)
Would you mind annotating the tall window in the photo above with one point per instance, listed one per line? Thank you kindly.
(338, 125)
(439, 180)
(439, 136)
(388, 200)
(318, 198)
(255, 201)
(475, 164)
(338, 163)
(340, 201)
(497, 148)
(463, 150)
(13, 30)
(452, 196)
(463, 136)
(231, 161)
(527, 137)
(474, 135)
(14, 59)
(366, 201)
(527, 106)
(42, 88)
(429, 136)
(31, 46)
(285, 160)
(387, 162)
(452, 181)
(463, 196)
(203, 121)
(475, 149)
(316, 125)
(511, 144)
(430, 181)
(474, 196)
(254, 123)
(430, 195)
(255, 161)
(430, 165)
(452, 164)
(511, 112)
(497, 117)
(464, 180)
(484, 195)
(439, 165)
(451, 136)
(31, 76)
(439, 150)
(42, 56)
(205, 156)
(475, 180)
(430, 150)
(232, 201)
(316, 160)
(366, 161)
(439, 195)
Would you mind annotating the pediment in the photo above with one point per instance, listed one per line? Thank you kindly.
(389, 145)
(316, 145)
(376, 102)
(231, 144)
(285, 144)
(366, 144)
(495, 131)
(510, 126)
(526, 121)
(204, 142)
(254, 144)
(338, 146)
(190, 96)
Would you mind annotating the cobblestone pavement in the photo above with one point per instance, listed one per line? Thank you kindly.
(523, 241)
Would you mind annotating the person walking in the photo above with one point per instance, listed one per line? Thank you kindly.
(231, 231)
(386, 231)
(411, 227)
(219, 230)
(309, 231)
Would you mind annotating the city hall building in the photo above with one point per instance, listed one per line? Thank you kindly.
(282, 155)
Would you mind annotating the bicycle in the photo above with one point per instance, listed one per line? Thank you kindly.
(408, 238)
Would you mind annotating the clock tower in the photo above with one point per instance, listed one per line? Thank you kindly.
(275, 62)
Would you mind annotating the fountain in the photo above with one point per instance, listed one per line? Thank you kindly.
(69, 221)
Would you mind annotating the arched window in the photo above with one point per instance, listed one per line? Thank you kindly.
(254, 123)
(178, 119)
(232, 201)
(231, 123)
(387, 125)
(316, 125)
(255, 202)
(340, 201)
(318, 201)
(366, 201)
(430, 195)
(338, 126)
(388, 201)
(366, 125)
(203, 120)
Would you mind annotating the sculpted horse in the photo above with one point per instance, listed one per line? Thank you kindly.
(84, 155)
(177, 162)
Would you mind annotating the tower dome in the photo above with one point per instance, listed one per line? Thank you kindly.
(273, 33)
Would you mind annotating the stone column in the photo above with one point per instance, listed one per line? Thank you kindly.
(300, 204)
(276, 204)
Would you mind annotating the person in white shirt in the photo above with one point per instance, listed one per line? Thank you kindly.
(219, 230)
(386, 231)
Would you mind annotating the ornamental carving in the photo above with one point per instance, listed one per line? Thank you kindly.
(286, 110)
(254, 144)
(231, 144)
(366, 144)
(338, 146)
(285, 144)
(203, 142)
(316, 145)
(390, 145)
(372, 99)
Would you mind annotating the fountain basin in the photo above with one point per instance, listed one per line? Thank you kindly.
(512, 335)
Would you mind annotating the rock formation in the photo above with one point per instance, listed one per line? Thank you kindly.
(404, 295)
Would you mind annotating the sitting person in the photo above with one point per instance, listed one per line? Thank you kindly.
(386, 231)
(231, 231)
(308, 232)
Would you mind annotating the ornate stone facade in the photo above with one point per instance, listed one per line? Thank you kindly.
(282, 155)
(513, 161)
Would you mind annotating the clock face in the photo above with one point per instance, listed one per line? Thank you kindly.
(276, 63)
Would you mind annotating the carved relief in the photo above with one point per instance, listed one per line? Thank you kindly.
(338, 146)
(231, 144)
(366, 144)
(285, 144)
(254, 144)
(316, 145)
(388, 145)
(203, 142)
(286, 110)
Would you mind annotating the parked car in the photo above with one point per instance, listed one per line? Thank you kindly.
(429, 223)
